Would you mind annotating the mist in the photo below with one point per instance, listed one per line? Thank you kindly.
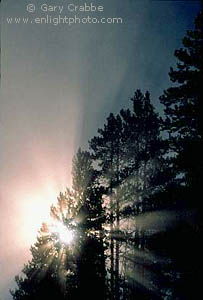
(58, 85)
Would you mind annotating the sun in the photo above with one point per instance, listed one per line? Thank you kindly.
(66, 235)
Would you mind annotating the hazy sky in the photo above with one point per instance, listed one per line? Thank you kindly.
(58, 85)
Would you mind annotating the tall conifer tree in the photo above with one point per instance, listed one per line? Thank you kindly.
(58, 269)
(184, 124)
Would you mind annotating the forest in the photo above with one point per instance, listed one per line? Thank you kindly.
(129, 228)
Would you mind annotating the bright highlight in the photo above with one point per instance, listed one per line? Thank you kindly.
(66, 236)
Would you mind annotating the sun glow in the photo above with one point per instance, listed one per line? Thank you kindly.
(66, 235)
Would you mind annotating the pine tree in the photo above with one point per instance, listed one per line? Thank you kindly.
(146, 176)
(106, 149)
(58, 269)
(183, 107)
(129, 151)
(91, 259)
(183, 111)
(52, 263)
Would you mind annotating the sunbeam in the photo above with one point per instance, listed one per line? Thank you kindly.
(65, 235)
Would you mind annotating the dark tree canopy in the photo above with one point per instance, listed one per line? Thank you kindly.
(183, 109)
(184, 106)
(58, 270)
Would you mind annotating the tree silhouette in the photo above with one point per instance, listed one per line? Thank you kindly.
(145, 180)
(183, 107)
(91, 257)
(183, 110)
(129, 152)
(106, 149)
(59, 269)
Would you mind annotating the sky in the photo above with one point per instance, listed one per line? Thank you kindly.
(58, 85)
